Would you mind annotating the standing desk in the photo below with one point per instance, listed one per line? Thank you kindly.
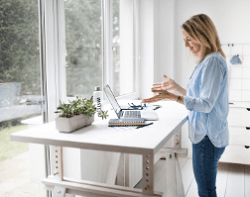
(147, 141)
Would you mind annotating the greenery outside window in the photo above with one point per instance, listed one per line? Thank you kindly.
(100, 46)
(84, 46)
(20, 87)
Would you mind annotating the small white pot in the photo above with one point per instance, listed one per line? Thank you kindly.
(67, 125)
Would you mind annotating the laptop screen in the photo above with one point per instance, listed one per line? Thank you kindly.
(112, 100)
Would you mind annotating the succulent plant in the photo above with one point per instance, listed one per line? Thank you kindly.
(80, 106)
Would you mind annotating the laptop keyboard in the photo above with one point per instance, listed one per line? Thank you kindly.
(132, 114)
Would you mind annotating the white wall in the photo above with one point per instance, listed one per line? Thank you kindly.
(231, 18)
(146, 69)
(126, 47)
(157, 42)
(164, 39)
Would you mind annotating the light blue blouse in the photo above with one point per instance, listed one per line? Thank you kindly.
(207, 101)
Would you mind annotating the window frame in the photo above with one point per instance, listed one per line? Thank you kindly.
(136, 49)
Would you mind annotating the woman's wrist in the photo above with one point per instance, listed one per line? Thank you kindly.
(180, 90)
(180, 99)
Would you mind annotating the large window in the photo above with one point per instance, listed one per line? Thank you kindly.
(123, 46)
(100, 46)
(97, 45)
(84, 43)
(20, 89)
(83, 23)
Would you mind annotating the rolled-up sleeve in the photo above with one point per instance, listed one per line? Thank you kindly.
(209, 87)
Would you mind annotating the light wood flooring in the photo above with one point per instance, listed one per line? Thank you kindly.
(233, 180)
(15, 178)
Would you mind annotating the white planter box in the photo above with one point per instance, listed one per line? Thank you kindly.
(67, 125)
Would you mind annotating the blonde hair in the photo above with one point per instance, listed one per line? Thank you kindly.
(201, 28)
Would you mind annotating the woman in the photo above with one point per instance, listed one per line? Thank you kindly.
(206, 98)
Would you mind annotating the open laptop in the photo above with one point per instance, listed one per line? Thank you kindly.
(126, 113)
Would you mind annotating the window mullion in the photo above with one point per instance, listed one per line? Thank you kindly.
(107, 43)
(61, 49)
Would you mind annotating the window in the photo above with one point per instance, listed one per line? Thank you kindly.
(100, 46)
(20, 89)
(123, 47)
(83, 46)
(97, 45)
(116, 47)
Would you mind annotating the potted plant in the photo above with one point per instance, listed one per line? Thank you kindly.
(78, 113)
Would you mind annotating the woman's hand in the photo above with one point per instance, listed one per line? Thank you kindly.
(162, 94)
(169, 84)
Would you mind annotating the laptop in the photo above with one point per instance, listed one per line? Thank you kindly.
(126, 113)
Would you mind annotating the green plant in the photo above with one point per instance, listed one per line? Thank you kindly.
(103, 114)
(80, 106)
(64, 110)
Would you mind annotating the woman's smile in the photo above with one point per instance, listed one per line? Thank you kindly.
(192, 44)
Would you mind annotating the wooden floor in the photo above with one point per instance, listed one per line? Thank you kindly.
(15, 178)
(233, 180)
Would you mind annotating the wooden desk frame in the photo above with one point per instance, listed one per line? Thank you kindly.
(61, 185)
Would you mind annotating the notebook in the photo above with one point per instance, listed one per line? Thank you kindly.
(126, 122)
(128, 114)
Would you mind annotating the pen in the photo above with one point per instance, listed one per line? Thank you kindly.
(144, 125)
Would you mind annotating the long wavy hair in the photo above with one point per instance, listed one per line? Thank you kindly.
(201, 28)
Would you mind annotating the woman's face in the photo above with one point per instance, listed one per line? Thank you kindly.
(192, 44)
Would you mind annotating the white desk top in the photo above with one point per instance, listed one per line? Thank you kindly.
(99, 136)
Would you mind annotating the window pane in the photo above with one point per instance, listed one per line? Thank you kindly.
(116, 47)
(84, 46)
(20, 90)
(123, 49)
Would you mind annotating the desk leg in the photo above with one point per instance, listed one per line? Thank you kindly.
(180, 187)
(126, 170)
(121, 171)
(57, 169)
(59, 192)
(148, 174)
(113, 168)
(171, 188)
(177, 139)
(56, 162)
(174, 179)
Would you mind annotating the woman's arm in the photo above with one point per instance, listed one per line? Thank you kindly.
(180, 90)
(163, 94)
(162, 91)
(210, 86)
